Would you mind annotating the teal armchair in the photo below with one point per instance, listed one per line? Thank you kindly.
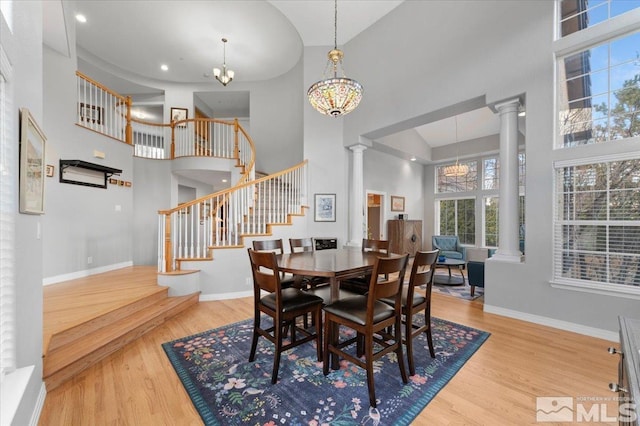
(449, 246)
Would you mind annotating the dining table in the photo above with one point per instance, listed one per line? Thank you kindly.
(333, 264)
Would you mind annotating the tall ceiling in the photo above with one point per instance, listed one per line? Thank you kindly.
(126, 42)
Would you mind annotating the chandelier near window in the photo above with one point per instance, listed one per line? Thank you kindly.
(335, 95)
(224, 76)
(456, 170)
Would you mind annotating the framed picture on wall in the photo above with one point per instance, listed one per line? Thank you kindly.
(178, 114)
(325, 208)
(397, 203)
(32, 167)
(91, 113)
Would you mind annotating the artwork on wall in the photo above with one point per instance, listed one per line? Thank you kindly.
(91, 113)
(397, 203)
(178, 114)
(32, 167)
(325, 208)
(50, 170)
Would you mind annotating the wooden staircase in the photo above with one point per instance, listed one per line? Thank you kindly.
(87, 319)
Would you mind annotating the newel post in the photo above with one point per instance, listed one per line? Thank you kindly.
(173, 139)
(168, 261)
(236, 141)
(129, 128)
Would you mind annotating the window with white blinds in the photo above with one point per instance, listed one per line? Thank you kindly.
(8, 174)
(597, 223)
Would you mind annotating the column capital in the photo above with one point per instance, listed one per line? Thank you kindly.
(358, 148)
(510, 105)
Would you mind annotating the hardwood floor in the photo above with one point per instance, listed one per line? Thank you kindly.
(497, 386)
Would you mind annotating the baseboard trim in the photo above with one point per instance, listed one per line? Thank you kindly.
(37, 410)
(87, 272)
(555, 323)
(224, 296)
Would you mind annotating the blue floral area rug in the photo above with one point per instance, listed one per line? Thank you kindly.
(227, 389)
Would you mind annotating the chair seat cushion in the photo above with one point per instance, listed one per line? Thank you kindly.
(354, 309)
(417, 298)
(451, 254)
(324, 292)
(292, 299)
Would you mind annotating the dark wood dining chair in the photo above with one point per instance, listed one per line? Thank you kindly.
(422, 270)
(277, 247)
(283, 305)
(369, 316)
(305, 245)
(361, 284)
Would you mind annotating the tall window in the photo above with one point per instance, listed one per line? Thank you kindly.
(491, 204)
(597, 198)
(576, 15)
(8, 177)
(599, 93)
(458, 217)
(465, 183)
(597, 222)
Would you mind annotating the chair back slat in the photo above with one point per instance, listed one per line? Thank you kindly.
(275, 246)
(301, 245)
(264, 267)
(381, 246)
(424, 265)
(387, 277)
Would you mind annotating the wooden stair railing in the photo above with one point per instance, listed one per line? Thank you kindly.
(221, 220)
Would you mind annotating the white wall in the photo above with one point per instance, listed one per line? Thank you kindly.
(465, 50)
(24, 51)
(81, 222)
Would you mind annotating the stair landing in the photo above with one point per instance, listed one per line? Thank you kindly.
(87, 319)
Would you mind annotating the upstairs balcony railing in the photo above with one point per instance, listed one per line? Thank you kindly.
(104, 111)
(220, 220)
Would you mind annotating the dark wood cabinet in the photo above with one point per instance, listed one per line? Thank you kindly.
(405, 236)
(628, 385)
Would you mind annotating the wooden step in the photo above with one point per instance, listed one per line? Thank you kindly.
(64, 362)
(146, 297)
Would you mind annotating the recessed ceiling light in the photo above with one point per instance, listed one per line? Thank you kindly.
(81, 18)
(164, 67)
(413, 158)
(224, 180)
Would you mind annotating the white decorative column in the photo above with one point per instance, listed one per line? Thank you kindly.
(357, 196)
(508, 247)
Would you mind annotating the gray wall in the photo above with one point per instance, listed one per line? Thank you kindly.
(82, 222)
(464, 50)
(24, 50)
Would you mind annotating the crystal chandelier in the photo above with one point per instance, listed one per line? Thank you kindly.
(224, 76)
(456, 170)
(335, 95)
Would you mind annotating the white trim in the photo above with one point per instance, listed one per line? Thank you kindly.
(617, 290)
(631, 155)
(555, 323)
(600, 33)
(87, 272)
(37, 410)
(14, 385)
(225, 296)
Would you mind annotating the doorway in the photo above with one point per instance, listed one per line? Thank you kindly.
(375, 215)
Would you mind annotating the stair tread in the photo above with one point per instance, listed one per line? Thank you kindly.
(68, 354)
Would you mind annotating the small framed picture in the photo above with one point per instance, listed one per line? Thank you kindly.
(397, 203)
(32, 167)
(325, 208)
(91, 113)
(127, 184)
(120, 183)
(113, 181)
(50, 170)
(179, 114)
